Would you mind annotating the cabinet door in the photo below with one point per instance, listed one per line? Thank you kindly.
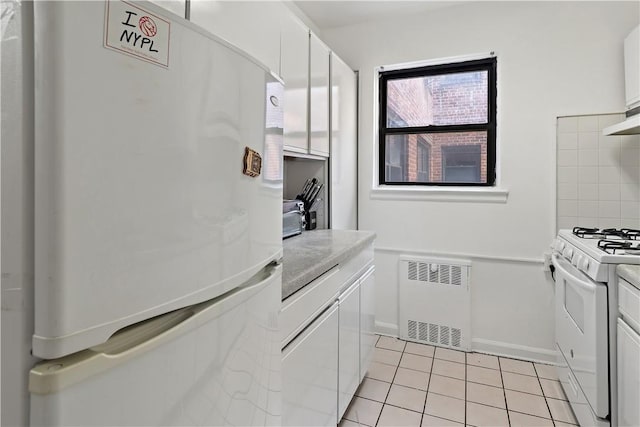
(319, 97)
(367, 319)
(632, 68)
(252, 26)
(628, 375)
(349, 347)
(295, 73)
(344, 146)
(310, 374)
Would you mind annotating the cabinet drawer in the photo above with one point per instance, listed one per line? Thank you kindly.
(303, 306)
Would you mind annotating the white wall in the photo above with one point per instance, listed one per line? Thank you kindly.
(554, 59)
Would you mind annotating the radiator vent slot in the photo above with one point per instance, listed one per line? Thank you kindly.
(413, 271)
(424, 334)
(435, 301)
(455, 337)
(412, 329)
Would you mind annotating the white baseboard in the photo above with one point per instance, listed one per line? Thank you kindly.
(390, 329)
(533, 354)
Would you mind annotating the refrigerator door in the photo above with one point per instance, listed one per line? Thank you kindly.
(216, 363)
(142, 206)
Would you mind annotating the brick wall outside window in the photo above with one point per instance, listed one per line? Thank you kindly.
(412, 102)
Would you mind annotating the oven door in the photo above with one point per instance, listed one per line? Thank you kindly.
(581, 332)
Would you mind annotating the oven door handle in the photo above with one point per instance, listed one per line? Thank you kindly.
(558, 262)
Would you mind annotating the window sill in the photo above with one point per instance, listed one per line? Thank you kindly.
(441, 194)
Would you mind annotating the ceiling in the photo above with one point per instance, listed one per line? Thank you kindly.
(336, 13)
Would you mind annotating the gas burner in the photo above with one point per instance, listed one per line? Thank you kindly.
(630, 233)
(620, 247)
(606, 233)
(587, 233)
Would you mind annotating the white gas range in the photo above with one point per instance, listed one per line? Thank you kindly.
(584, 265)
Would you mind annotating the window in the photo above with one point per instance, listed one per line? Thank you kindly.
(437, 124)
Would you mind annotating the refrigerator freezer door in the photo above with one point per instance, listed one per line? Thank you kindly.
(141, 203)
(216, 363)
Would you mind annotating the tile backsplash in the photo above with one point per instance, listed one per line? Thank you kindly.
(598, 177)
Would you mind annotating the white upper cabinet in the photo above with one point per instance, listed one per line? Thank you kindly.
(319, 97)
(344, 146)
(632, 68)
(295, 73)
(253, 26)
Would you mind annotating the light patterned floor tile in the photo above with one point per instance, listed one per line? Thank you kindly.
(522, 383)
(363, 411)
(407, 398)
(415, 362)
(448, 386)
(517, 366)
(527, 404)
(373, 389)
(486, 376)
(483, 360)
(392, 416)
(531, 402)
(390, 343)
(561, 411)
(446, 407)
(382, 372)
(448, 369)
(388, 357)
(412, 378)
(419, 349)
(552, 389)
(452, 355)
(486, 416)
(523, 420)
(486, 395)
(431, 421)
(546, 371)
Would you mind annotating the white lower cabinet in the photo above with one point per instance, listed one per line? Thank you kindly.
(628, 375)
(367, 319)
(349, 346)
(324, 364)
(310, 374)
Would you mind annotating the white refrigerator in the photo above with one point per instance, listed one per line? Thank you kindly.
(157, 230)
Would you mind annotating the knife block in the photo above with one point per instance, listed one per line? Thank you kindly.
(311, 220)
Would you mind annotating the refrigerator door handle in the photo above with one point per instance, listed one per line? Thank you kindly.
(54, 375)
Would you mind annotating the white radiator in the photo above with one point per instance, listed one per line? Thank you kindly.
(435, 301)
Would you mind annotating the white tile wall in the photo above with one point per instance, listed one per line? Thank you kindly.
(598, 177)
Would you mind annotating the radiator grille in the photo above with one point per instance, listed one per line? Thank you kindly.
(434, 334)
(435, 301)
(441, 274)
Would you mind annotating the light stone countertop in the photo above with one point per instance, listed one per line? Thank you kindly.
(631, 273)
(312, 253)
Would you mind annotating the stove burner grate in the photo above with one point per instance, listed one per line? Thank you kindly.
(606, 233)
(619, 246)
(587, 233)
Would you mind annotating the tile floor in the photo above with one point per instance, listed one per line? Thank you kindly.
(412, 384)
